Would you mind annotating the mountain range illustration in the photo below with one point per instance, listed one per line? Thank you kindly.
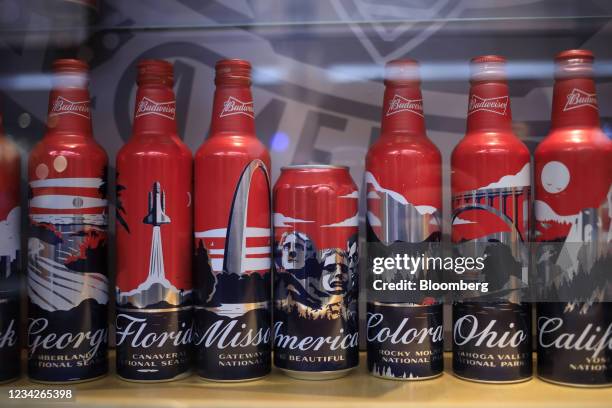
(153, 291)
(408, 223)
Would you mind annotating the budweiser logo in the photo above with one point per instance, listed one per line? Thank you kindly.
(578, 98)
(233, 106)
(497, 105)
(63, 106)
(148, 106)
(401, 104)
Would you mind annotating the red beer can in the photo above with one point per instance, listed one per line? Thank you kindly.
(490, 184)
(10, 249)
(154, 237)
(232, 236)
(316, 272)
(404, 205)
(67, 244)
(573, 191)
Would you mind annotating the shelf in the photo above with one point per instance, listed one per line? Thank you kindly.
(357, 389)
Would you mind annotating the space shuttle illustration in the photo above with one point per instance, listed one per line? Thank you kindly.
(157, 207)
(156, 289)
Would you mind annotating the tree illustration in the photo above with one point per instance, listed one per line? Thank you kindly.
(119, 209)
(103, 189)
(204, 279)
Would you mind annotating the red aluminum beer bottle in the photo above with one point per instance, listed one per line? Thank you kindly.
(10, 249)
(573, 192)
(490, 184)
(154, 237)
(404, 201)
(232, 236)
(67, 255)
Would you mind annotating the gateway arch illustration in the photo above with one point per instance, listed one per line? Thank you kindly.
(240, 257)
(235, 242)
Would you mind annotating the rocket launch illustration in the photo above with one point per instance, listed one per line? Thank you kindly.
(156, 288)
(157, 207)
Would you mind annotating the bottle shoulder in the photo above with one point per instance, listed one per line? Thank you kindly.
(400, 146)
(490, 143)
(157, 145)
(238, 146)
(572, 139)
(78, 145)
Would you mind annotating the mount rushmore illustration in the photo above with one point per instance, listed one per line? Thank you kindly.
(316, 284)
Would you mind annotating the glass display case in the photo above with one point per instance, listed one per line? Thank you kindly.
(317, 86)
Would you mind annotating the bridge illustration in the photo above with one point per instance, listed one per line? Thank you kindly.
(505, 203)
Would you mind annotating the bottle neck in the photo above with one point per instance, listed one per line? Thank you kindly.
(69, 112)
(233, 110)
(155, 110)
(489, 107)
(403, 111)
(575, 103)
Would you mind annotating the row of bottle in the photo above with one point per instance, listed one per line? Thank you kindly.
(226, 311)
(491, 202)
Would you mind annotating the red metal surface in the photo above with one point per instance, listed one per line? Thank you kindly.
(573, 164)
(220, 161)
(10, 170)
(154, 154)
(489, 157)
(320, 202)
(68, 153)
(67, 246)
(404, 165)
